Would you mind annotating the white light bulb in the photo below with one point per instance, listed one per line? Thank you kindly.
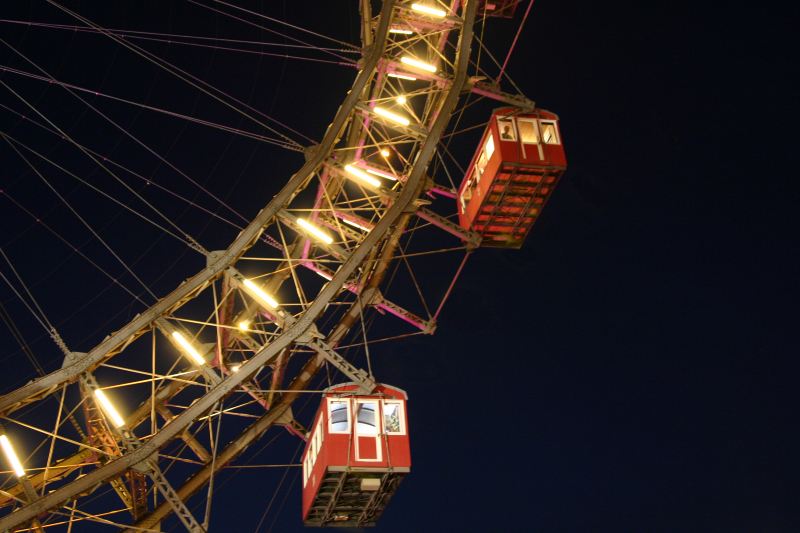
(108, 408)
(381, 173)
(361, 175)
(259, 294)
(428, 10)
(187, 348)
(11, 456)
(401, 76)
(324, 274)
(394, 117)
(416, 63)
(314, 231)
(355, 224)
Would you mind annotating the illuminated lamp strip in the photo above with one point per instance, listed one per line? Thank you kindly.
(416, 63)
(401, 76)
(314, 231)
(187, 348)
(389, 115)
(259, 294)
(381, 173)
(362, 176)
(11, 456)
(428, 10)
(108, 408)
(353, 223)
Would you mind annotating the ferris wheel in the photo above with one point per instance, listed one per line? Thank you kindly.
(271, 337)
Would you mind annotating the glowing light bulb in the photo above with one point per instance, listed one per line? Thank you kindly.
(428, 10)
(11, 456)
(324, 274)
(385, 152)
(187, 348)
(401, 100)
(401, 76)
(314, 231)
(244, 325)
(401, 31)
(259, 294)
(361, 175)
(235, 368)
(355, 224)
(108, 408)
(394, 117)
(416, 63)
(381, 173)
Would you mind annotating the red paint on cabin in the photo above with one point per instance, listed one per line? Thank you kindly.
(518, 164)
(354, 437)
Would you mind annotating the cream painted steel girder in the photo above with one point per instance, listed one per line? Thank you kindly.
(258, 428)
(115, 342)
(150, 467)
(246, 238)
(68, 465)
(471, 238)
(302, 327)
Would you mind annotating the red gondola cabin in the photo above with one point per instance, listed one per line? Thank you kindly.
(356, 455)
(519, 162)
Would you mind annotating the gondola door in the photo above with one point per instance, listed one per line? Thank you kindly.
(367, 431)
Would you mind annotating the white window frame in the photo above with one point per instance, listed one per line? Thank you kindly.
(312, 449)
(378, 415)
(401, 412)
(477, 173)
(320, 435)
(314, 446)
(514, 132)
(534, 123)
(349, 417)
(555, 130)
(489, 142)
(376, 436)
(467, 193)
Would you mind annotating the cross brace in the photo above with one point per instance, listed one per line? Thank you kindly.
(472, 239)
(150, 467)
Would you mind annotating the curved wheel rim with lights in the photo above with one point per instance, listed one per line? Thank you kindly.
(335, 252)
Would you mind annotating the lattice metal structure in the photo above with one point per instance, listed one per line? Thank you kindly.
(248, 333)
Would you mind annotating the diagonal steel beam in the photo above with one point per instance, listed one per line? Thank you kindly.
(300, 327)
(254, 432)
(149, 467)
(246, 238)
(46, 384)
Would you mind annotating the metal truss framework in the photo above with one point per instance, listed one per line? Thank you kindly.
(330, 233)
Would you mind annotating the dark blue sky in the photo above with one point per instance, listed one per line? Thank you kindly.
(632, 368)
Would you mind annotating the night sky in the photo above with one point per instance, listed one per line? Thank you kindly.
(632, 368)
